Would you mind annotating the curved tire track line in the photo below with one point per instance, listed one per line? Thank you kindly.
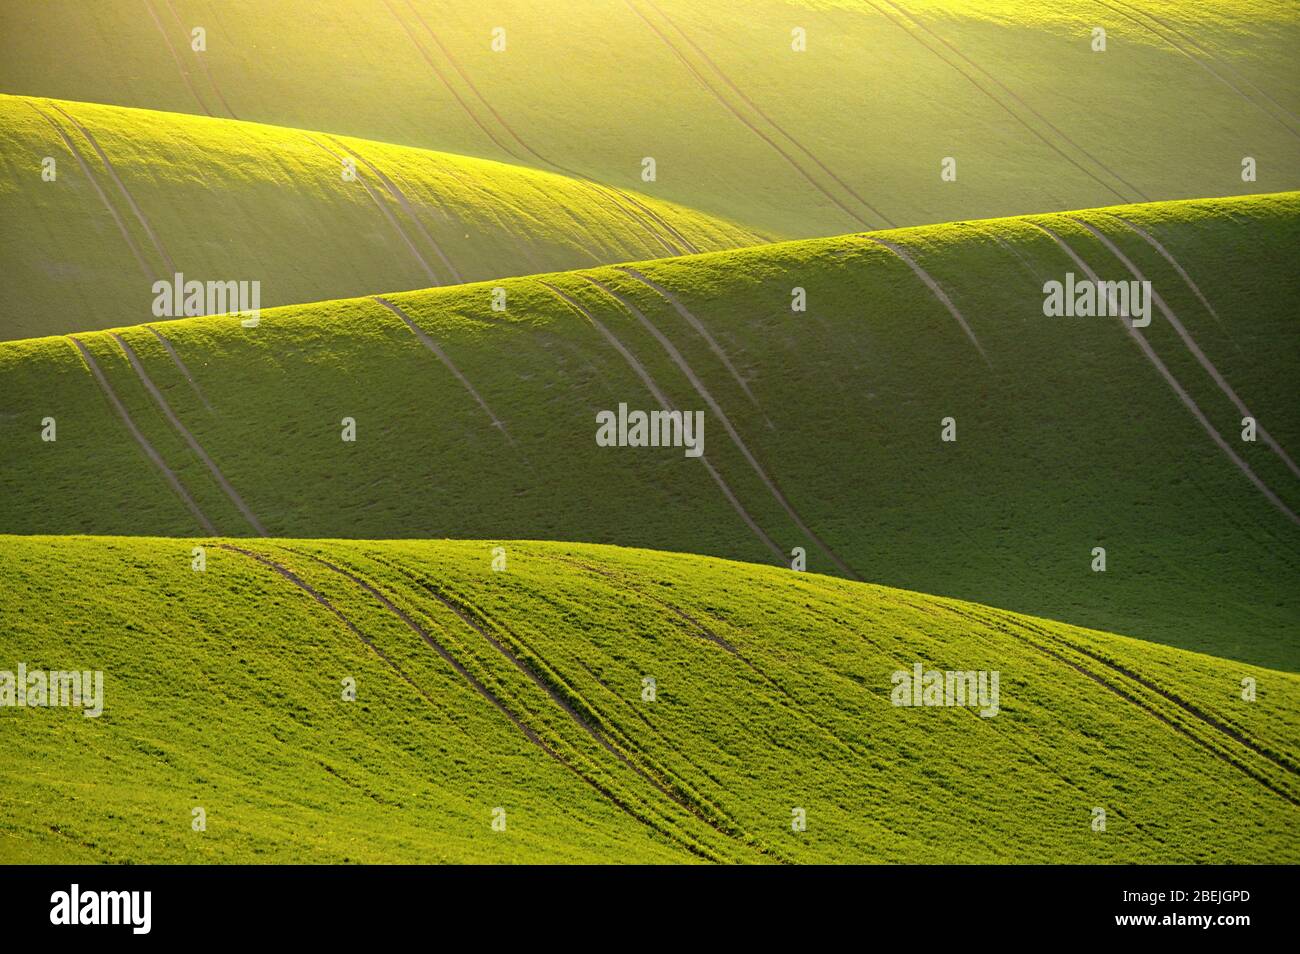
(1008, 247)
(181, 429)
(148, 273)
(621, 200)
(934, 287)
(659, 737)
(740, 117)
(667, 405)
(1052, 768)
(1006, 89)
(379, 204)
(792, 704)
(203, 63)
(693, 625)
(319, 598)
(1280, 760)
(445, 82)
(759, 111)
(185, 75)
(599, 188)
(1182, 273)
(154, 457)
(121, 187)
(401, 199)
(592, 722)
(1046, 764)
(1197, 46)
(1128, 695)
(1177, 388)
(698, 325)
(620, 196)
(736, 439)
(491, 697)
(185, 371)
(1197, 60)
(441, 355)
(1008, 110)
(1190, 344)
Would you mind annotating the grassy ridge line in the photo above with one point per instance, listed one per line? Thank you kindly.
(240, 664)
(141, 195)
(1069, 438)
(740, 125)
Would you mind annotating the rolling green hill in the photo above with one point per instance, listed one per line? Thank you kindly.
(523, 692)
(139, 196)
(823, 429)
(847, 134)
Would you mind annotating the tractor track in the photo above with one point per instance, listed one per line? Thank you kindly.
(563, 695)
(1182, 272)
(744, 120)
(387, 213)
(1145, 347)
(231, 494)
(594, 733)
(424, 338)
(735, 437)
(1190, 344)
(1127, 11)
(401, 199)
(759, 111)
(148, 272)
(659, 396)
(700, 329)
(180, 365)
(203, 63)
(180, 67)
(625, 203)
(121, 187)
(1007, 109)
(1128, 693)
(154, 457)
(934, 287)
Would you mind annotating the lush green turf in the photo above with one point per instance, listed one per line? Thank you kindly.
(848, 134)
(1068, 435)
(222, 200)
(523, 690)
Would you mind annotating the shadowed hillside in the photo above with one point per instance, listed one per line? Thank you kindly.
(823, 429)
(133, 197)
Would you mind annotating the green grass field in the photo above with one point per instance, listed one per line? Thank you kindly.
(146, 195)
(847, 135)
(366, 582)
(522, 690)
(823, 428)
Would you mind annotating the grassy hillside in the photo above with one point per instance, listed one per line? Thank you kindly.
(138, 196)
(523, 690)
(822, 428)
(847, 134)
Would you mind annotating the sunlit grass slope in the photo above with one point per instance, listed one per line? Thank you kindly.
(848, 133)
(822, 429)
(136, 196)
(524, 690)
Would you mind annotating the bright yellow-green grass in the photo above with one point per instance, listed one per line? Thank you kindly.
(847, 134)
(823, 429)
(522, 694)
(136, 196)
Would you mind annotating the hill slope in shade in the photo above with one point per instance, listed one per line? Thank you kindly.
(823, 429)
(848, 134)
(522, 691)
(139, 196)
